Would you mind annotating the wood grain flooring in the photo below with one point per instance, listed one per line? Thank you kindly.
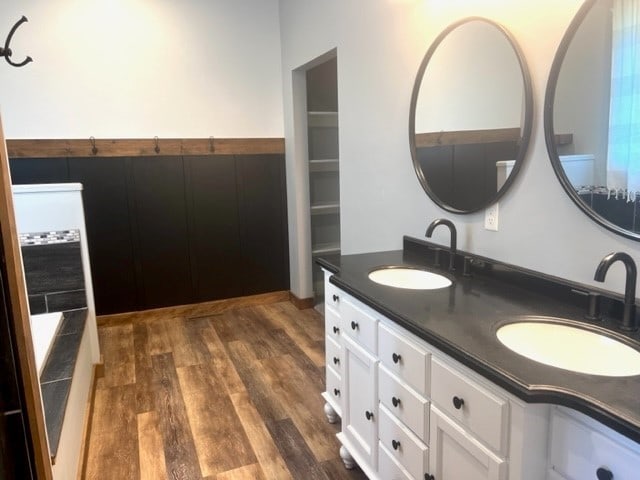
(233, 395)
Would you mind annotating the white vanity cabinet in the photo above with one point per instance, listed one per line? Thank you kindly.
(334, 352)
(411, 412)
(580, 448)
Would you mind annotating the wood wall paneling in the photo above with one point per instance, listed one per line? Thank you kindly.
(177, 230)
(263, 222)
(214, 227)
(132, 147)
(39, 170)
(161, 231)
(108, 222)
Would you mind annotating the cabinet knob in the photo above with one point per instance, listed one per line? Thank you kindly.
(396, 358)
(336, 361)
(335, 297)
(336, 330)
(395, 444)
(369, 415)
(395, 401)
(458, 402)
(354, 325)
(603, 473)
(336, 392)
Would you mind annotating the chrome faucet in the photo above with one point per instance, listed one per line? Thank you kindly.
(452, 229)
(628, 317)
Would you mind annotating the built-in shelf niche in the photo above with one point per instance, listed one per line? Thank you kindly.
(324, 166)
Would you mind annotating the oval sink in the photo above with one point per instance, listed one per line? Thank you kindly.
(410, 278)
(570, 348)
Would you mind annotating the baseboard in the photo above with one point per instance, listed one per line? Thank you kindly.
(301, 303)
(196, 309)
(98, 372)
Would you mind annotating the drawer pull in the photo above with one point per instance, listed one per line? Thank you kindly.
(336, 330)
(396, 358)
(335, 297)
(354, 325)
(604, 473)
(369, 415)
(395, 401)
(336, 361)
(458, 402)
(395, 444)
(336, 392)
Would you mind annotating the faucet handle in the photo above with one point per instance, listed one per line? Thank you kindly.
(594, 308)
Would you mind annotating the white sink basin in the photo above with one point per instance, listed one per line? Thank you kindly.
(570, 348)
(411, 278)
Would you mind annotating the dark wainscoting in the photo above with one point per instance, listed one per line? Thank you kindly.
(167, 230)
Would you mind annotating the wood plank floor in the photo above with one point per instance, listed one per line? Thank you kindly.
(231, 396)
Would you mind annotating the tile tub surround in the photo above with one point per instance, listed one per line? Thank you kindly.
(57, 374)
(53, 270)
(461, 321)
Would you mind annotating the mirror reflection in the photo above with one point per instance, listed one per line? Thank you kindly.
(470, 119)
(596, 113)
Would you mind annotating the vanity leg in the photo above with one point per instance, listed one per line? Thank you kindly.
(347, 459)
(332, 416)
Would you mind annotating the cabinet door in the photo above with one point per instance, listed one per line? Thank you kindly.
(263, 222)
(454, 454)
(160, 224)
(359, 423)
(108, 223)
(214, 226)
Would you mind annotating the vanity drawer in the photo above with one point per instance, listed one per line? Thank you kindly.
(359, 323)
(332, 324)
(482, 412)
(404, 403)
(403, 445)
(334, 389)
(577, 451)
(331, 293)
(333, 355)
(389, 468)
(408, 361)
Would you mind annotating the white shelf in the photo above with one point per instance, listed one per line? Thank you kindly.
(325, 249)
(328, 165)
(322, 119)
(325, 209)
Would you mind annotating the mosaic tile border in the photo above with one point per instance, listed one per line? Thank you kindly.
(49, 238)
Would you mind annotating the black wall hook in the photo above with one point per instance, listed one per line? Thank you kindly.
(6, 51)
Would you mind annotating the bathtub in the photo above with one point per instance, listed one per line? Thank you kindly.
(44, 328)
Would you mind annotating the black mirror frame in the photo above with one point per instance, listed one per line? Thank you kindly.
(526, 128)
(549, 133)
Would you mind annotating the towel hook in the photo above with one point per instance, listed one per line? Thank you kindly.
(94, 149)
(212, 147)
(157, 142)
(6, 51)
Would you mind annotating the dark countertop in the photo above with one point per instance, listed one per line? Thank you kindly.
(461, 321)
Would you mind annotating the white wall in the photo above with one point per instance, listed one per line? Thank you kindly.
(380, 44)
(141, 68)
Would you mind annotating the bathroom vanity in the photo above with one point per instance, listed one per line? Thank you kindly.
(425, 390)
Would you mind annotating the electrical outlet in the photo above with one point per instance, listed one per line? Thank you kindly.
(491, 218)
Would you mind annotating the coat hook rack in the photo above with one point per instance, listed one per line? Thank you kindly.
(6, 51)
(94, 149)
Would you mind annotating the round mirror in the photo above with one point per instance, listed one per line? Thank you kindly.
(592, 113)
(471, 113)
